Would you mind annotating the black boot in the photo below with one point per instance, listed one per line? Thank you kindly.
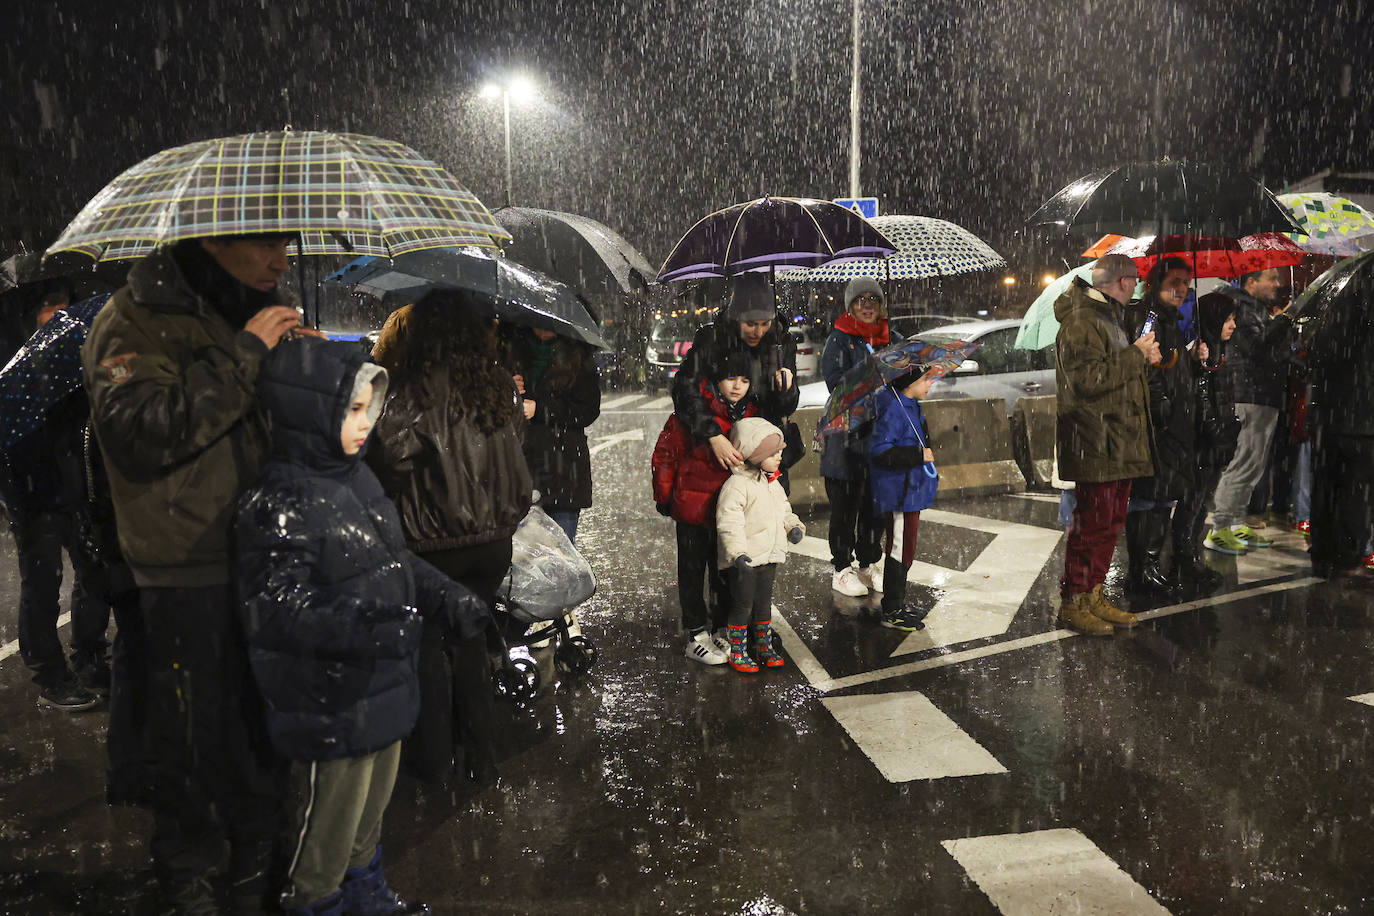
(1137, 525)
(1153, 577)
(1191, 570)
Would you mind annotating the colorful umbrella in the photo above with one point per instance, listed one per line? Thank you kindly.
(850, 404)
(772, 232)
(1211, 256)
(1039, 327)
(342, 193)
(1175, 197)
(46, 369)
(1330, 224)
(926, 247)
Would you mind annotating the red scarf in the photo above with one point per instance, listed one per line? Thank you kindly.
(774, 475)
(874, 334)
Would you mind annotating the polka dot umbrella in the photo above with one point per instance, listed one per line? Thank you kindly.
(926, 247)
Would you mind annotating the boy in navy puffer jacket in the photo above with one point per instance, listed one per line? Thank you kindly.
(329, 596)
(902, 468)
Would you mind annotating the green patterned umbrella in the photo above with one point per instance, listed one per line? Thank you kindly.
(343, 193)
(1331, 225)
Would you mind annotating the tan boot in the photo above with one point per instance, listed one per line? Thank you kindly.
(1101, 607)
(1076, 614)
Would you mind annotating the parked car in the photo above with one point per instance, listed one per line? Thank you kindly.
(810, 340)
(670, 340)
(996, 368)
(909, 325)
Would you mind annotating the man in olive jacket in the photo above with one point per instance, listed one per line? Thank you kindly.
(170, 367)
(1103, 433)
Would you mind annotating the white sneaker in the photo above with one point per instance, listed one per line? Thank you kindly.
(539, 626)
(702, 648)
(847, 582)
(722, 641)
(573, 628)
(872, 576)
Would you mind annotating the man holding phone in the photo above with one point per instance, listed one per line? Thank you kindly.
(1103, 432)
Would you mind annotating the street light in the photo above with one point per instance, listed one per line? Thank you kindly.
(520, 89)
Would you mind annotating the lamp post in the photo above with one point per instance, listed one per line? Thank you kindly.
(855, 101)
(519, 88)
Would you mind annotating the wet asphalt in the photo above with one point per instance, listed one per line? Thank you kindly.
(1213, 754)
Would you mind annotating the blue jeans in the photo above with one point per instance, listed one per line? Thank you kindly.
(567, 520)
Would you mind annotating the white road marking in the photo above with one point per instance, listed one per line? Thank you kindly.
(1271, 562)
(908, 738)
(12, 646)
(620, 401)
(1036, 497)
(1050, 872)
(1366, 698)
(982, 600)
(605, 442)
(820, 679)
(659, 404)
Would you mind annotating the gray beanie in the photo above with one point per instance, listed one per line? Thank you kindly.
(861, 285)
(751, 299)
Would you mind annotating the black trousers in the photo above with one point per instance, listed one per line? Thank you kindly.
(39, 539)
(1342, 500)
(751, 594)
(215, 777)
(698, 578)
(1190, 513)
(856, 531)
(457, 724)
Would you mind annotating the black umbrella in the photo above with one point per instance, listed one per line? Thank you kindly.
(587, 255)
(773, 232)
(1349, 285)
(1166, 198)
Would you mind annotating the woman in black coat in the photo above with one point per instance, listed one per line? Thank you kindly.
(1171, 426)
(562, 397)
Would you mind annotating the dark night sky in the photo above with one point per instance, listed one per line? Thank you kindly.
(653, 114)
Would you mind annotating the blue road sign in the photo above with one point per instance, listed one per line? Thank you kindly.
(867, 207)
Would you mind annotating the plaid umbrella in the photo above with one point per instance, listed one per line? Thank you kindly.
(1330, 224)
(772, 232)
(926, 247)
(1211, 256)
(851, 402)
(343, 193)
(46, 369)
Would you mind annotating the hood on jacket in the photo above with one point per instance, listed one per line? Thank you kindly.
(306, 386)
(1079, 295)
(754, 437)
(1211, 313)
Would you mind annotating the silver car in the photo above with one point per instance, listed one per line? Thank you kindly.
(995, 370)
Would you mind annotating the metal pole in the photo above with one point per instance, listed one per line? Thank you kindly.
(854, 100)
(505, 100)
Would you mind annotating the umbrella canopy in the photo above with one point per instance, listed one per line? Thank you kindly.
(1169, 197)
(1213, 257)
(577, 250)
(926, 247)
(342, 193)
(503, 289)
(772, 232)
(1039, 327)
(850, 404)
(1349, 284)
(1330, 224)
(46, 369)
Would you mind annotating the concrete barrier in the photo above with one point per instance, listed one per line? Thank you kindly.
(972, 450)
(1032, 439)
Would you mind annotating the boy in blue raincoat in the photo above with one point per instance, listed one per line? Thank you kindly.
(902, 469)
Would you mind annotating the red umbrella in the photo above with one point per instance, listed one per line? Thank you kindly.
(1213, 256)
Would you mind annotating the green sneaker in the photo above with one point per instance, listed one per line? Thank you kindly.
(1224, 540)
(1249, 536)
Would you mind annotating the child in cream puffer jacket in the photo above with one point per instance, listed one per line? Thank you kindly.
(754, 522)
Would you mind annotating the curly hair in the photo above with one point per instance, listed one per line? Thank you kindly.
(445, 335)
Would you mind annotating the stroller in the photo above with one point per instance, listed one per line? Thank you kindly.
(548, 577)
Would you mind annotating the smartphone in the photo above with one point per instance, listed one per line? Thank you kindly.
(1149, 325)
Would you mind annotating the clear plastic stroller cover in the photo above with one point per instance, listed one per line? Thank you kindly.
(547, 575)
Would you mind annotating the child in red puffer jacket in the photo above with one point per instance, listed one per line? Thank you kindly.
(687, 477)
